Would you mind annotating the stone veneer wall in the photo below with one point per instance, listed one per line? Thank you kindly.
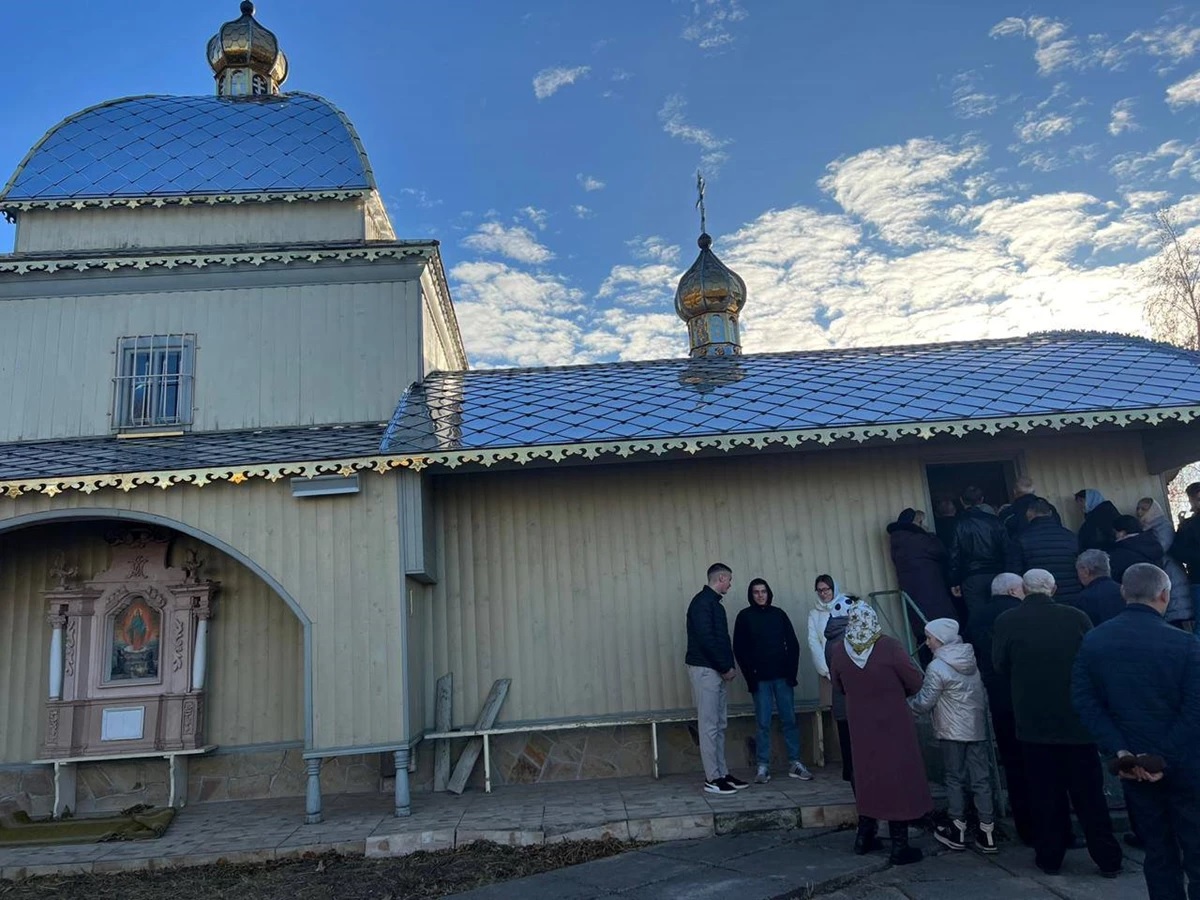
(621, 751)
(251, 774)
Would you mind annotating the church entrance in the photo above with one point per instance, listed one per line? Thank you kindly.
(947, 481)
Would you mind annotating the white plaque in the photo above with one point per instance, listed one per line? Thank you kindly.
(123, 724)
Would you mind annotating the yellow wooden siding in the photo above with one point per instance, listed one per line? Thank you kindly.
(574, 582)
(65, 230)
(271, 356)
(254, 686)
(338, 557)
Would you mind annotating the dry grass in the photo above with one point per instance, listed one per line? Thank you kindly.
(419, 876)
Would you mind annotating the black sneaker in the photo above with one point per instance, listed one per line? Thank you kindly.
(985, 840)
(736, 783)
(720, 786)
(953, 835)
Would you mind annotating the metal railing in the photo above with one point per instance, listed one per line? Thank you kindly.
(909, 607)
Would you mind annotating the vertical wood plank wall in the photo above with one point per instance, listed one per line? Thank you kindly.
(254, 687)
(265, 356)
(574, 582)
(338, 557)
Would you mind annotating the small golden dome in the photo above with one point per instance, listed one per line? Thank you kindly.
(245, 57)
(709, 299)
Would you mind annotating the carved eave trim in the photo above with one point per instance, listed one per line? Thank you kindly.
(312, 255)
(447, 306)
(12, 206)
(567, 453)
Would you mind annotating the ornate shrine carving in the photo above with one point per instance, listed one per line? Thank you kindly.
(128, 653)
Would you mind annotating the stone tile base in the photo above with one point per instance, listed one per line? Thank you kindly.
(105, 787)
(619, 752)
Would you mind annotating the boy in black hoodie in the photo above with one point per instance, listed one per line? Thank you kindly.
(768, 654)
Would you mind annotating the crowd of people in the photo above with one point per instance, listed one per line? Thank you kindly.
(1084, 659)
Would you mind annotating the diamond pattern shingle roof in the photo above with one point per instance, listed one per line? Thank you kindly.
(1049, 374)
(97, 456)
(161, 146)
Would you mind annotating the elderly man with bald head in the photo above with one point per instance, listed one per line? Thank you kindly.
(1035, 646)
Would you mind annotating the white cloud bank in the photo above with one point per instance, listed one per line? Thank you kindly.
(515, 243)
(709, 22)
(1185, 92)
(675, 124)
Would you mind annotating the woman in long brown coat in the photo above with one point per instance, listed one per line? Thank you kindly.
(877, 677)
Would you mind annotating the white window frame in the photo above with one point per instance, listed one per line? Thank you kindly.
(142, 394)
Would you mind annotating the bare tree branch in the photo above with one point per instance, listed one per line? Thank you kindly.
(1173, 309)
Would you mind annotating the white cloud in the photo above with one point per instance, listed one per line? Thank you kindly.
(537, 217)
(514, 242)
(654, 249)
(969, 100)
(582, 212)
(548, 81)
(1055, 48)
(1170, 159)
(709, 22)
(676, 125)
(1122, 117)
(510, 317)
(898, 189)
(589, 183)
(1185, 92)
(621, 75)
(421, 198)
(1034, 128)
(1170, 43)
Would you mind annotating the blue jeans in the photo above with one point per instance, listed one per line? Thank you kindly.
(776, 693)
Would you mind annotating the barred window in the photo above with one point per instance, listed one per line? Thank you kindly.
(154, 381)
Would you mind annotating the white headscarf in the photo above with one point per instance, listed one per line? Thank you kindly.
(861, 634)
(837, 606)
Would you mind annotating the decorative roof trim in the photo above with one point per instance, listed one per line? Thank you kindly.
(160, 200)
(383, 464)
(10, 206)
(42, 265)
(447, 306)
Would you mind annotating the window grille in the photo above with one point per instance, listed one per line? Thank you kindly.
(154, 381)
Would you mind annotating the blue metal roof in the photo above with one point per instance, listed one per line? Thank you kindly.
(157, 146)
(1055, 374)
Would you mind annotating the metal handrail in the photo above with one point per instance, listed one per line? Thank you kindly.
(999, 795)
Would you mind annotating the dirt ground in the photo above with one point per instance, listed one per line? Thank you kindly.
(419, 876)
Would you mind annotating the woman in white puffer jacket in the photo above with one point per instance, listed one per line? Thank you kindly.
(830, 602)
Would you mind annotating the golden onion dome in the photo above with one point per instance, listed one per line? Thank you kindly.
(709, 299)
(245, 57)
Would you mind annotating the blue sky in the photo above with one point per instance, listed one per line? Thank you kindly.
(878, 172)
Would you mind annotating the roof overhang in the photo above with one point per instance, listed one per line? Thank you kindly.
(613, 451)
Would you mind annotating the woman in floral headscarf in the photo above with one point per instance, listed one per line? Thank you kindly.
(877, 677)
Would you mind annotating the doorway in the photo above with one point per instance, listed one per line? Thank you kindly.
(947, 481)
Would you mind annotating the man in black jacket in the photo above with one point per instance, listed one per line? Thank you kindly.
(710, 669)
(765, 645)
(978, 552)
(1035, 646)
(1133, 546)
(1015, 516)
(1044, 544)
(1101, 597)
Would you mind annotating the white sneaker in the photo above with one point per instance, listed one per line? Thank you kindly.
(763, 776)
(798, 770)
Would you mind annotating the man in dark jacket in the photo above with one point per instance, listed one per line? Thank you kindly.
(1035, 646)
(1044, 544)
(1101, 597)
(710, 669)
(978, 552)
(1015, 516)
(768, 653)
(1133, 546)
(1186, 548)
(1136, 686)
(1007, 593)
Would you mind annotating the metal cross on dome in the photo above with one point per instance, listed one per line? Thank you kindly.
(700, 186)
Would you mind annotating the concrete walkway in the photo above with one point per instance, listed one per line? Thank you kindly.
(668, 809)
(811, 863)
